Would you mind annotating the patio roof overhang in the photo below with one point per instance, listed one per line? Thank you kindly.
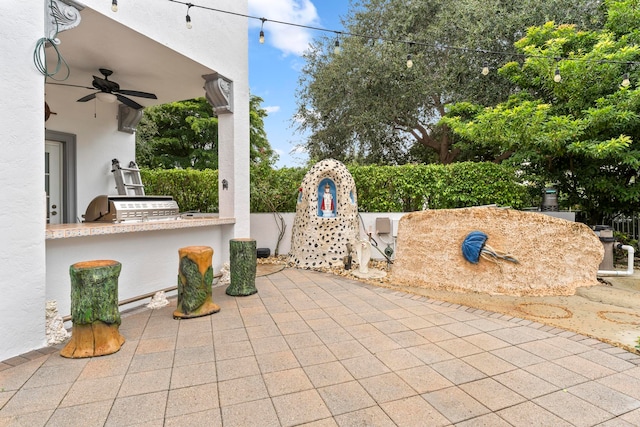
(137, 61)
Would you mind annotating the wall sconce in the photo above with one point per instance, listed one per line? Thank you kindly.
(128, 118)
(225, 184)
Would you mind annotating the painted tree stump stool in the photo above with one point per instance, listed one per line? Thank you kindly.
(94, 309)
(243, 262)
(195, 279)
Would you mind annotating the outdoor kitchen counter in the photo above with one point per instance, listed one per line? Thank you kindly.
(65, 231)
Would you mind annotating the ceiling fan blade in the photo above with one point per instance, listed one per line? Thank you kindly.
(69, 85)
(87, 98)
(129, 102)
(137, 93)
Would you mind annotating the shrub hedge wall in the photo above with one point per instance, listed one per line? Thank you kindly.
(403, 188)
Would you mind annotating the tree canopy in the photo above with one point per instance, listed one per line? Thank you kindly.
(578, 130)
(366, 105)
(184, 135)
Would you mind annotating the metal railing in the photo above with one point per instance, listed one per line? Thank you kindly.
(629, 225)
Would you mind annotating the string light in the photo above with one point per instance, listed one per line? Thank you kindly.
(485, 69)
(556, 76)
(114, 5)
(625, 80)
(409, 60)
(188, 18)
(262, 31)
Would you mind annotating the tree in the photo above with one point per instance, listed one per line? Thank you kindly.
(184, 134)
(582, 132)
(365, 105)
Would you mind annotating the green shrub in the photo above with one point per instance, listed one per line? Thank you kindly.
(403, 188)
(193, 190)
(415, 187)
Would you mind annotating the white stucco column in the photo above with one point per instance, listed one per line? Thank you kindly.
(231, 103)
(22, 252)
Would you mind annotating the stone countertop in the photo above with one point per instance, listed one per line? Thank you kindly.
(65, 231)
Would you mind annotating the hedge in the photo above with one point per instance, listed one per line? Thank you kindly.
(403, 188)
(193, 190)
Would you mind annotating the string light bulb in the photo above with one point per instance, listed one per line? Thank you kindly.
(485, 69)
(625, 80)
(336, 47)
(262, 31)
(114, 5)
(188, 18)
(557, 77)
(409, 59)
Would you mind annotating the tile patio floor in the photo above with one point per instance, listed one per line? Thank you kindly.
(320, 350)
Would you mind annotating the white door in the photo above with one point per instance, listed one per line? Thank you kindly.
(53, 181)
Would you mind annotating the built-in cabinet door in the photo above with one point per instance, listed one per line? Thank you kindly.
(53, 181)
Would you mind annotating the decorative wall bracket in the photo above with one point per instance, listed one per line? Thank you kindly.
(219, 92)
(61, 15)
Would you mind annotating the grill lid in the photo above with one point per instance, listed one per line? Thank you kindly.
(131, 208)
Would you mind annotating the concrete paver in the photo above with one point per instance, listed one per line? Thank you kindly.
(322, 350)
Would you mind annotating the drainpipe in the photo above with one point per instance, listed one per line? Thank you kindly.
(629, 271)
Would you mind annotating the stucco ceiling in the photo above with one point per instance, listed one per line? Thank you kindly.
(138, 63)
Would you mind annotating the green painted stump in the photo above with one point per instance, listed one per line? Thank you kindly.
(195, 278)
(243, 263)
(94, 309)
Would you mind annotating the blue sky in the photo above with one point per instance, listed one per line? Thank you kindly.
(274, 66)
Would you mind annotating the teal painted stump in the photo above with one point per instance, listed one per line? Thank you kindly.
(242, 267)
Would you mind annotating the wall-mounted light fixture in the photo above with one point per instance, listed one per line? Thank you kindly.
(225, 184)
(128, 118)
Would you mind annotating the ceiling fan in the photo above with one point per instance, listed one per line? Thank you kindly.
(109, 91)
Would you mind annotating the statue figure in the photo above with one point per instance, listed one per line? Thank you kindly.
(327, 205)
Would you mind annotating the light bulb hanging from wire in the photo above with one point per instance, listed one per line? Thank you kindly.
(409, 58)
(556, 76)
(336, 46)
(485, 69)
(114, 5)
(625, 80)
(188, 18)
(262, 31)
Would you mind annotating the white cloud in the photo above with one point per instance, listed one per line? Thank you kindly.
(272, 109)
(298, 149)
(288, 38)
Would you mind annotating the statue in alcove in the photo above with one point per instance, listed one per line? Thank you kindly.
(327, 202)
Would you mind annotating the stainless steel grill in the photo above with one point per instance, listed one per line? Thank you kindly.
(131, 209)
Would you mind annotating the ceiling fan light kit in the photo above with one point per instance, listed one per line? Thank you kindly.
(106, 97)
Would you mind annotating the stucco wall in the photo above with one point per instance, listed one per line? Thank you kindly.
(22, 198)
(149, 259)
(264, 230)
(98, 141)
